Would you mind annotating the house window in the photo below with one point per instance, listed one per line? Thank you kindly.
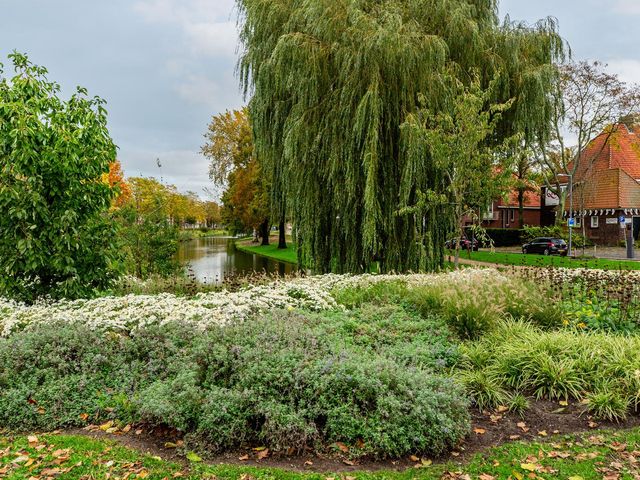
(488, 213)
(595, 222)
(513, 215)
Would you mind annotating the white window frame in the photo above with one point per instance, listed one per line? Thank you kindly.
(595, 222)
(489, 213)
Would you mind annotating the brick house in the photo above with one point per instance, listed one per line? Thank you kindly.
(606, 186)
(505, 213)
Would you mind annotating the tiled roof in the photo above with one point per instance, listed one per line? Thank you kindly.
(616, 147)
(612, 188)
(531, 200)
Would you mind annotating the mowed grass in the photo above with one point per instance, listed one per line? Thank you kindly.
(592, 455)
(518, 259)
(288, 255)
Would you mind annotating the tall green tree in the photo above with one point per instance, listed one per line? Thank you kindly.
(470, 173)
(332, 81)
(55, 235)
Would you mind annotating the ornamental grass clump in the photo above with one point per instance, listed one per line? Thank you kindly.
(558, 365)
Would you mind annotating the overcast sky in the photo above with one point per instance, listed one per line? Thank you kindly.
(166, 66)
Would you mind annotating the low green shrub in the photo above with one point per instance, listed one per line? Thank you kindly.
(373, 379)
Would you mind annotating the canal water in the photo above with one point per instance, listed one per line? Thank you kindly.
(211, 259)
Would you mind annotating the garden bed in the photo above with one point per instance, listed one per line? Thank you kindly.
(342, 369)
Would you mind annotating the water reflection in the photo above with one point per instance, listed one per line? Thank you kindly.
(211, 259)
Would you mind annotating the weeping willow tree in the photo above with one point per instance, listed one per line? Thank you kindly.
(332, 81)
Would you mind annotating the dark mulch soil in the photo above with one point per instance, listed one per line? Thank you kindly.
(543, 419)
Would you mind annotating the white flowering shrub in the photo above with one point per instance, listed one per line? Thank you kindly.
(128, 313)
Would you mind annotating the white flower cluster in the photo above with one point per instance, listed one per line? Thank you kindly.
(594, 277)
(130, 312)
(134, 311)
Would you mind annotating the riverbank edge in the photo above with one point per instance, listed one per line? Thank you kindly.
(287, 255)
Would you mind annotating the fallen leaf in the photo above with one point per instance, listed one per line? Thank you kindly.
(193, 457)
(106, 426)
(514, 437)
(342, 447)
(263, 454)
(480, 431)
(244, 458)
(413, 458)
(486, 476)
(170, 445)
(349, 462)
(84, 416)
(542, 433)
(33, 440)
(530, 467)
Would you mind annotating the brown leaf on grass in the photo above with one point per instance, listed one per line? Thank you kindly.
(349, 462)
(243, 458)
(618, 447)
(262, 454)
(543, 433)
(479, 431)
(413, 458)
(502, 409)
(486, 476)
(84, 417)
(556, 454)
(514, 437)
(522, 426)
(33, 440)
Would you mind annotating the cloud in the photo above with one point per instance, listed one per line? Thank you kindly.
(186, 169)
(198, 89)
(626, 68)
(628, 7)
(207, 25)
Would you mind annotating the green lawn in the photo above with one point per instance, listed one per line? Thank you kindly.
(287, 255)
(566, 457)
(550, 261)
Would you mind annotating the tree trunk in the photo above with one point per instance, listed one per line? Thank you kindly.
(282, 238)
(521, 208)
(264, 232)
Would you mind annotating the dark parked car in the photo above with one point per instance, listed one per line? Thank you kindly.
(465, 244)
(546, 246)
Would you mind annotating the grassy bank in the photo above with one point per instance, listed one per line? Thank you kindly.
(590, 456)
(519, 259)
(287, 255)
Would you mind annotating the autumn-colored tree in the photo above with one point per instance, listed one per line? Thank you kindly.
(115, 179)
(233, 165)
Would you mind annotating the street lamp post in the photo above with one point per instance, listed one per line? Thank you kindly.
(571, 220)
